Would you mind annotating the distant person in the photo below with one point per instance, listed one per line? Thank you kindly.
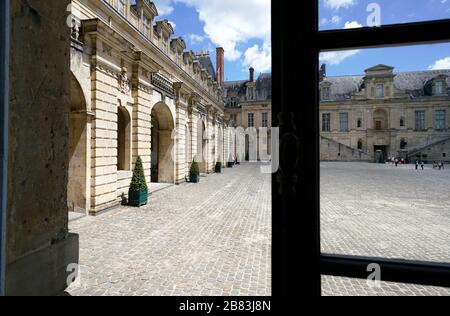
(417, 165)
(443, 165)
(396, 162)
(422, 165)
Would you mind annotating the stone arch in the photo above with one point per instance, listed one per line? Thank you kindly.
(380, 119)
(360, 144)
(220, 145)
(78, 182)
(162, 144)
(123, 139)
(202, 146)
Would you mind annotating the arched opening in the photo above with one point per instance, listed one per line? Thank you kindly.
(360, 144)
(188, 148)
(163, 166)
(380, 119)
(123, 140)
(202, 147)
(78, 181)
(220, 146)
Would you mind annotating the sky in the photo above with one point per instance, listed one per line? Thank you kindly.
(341, 14)
(243, 29)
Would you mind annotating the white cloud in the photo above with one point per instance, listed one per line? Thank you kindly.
(259, 58)
(336, 19)
(174, 25)
(441, 64)
(352, 25)
(233, 22)
(195, 38)
(337, 57)
(337, 4)
(164, 7)
(444, 1)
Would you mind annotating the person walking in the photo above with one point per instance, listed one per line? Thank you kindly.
(417, 164)
(422, 165)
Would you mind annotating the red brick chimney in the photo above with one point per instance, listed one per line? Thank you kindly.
(322, 72)
(252, 74)
(220, 65)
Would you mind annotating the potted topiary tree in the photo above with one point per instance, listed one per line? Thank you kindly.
(218, 168)
(138, 192)
(230, 162)
(194, 172)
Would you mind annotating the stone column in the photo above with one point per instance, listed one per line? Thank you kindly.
(39, 247)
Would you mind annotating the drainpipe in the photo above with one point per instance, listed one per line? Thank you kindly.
(4, 98)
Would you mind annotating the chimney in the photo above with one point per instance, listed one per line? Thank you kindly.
(220, 65)
(322, 72)
(252, 74)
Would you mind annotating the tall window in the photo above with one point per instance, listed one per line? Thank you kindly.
(265, 120)
(439, 87)
(420, 120)
(326, 126)
(251, 120)
(359, 123)
(402, 121)
(360, 144)
(380, 90)
(440, 119)
(343, 120)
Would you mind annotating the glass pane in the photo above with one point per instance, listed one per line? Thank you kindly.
(385, 173)
(340, 14)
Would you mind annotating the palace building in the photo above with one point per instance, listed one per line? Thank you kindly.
(249, 105)
(385, 114)
(137, 91)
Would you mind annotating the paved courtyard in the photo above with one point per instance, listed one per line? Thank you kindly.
(212, 238)
(384, 211)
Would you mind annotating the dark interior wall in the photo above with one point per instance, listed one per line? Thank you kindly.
(37, 217)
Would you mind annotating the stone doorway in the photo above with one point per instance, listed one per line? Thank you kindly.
(380, 153)
(162, 143)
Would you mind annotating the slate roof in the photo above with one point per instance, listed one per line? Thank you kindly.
(263, 87)
(416, 83)
(206, 63)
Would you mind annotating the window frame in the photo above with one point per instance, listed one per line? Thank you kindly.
(252, 115)
(419, 120)
(440, 120)
(296, 200)
(342, 115)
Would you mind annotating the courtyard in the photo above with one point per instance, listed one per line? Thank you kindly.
(211, 238)
(379, 210)
(214, 238)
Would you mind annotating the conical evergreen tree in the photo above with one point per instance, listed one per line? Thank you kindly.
(138, 183)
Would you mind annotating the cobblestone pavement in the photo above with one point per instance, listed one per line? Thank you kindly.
(212, 238)
(383, 211)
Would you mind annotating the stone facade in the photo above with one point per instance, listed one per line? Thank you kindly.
(385, 114)
(137, 91)
(249, 106)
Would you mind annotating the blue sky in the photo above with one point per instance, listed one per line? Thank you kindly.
(340, 14)
(241, 27)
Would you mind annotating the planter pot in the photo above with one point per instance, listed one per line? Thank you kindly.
(194, 178)
(230, 165)
(218, 168)
(137, 199)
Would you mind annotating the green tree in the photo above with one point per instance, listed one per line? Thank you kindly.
(138, 182)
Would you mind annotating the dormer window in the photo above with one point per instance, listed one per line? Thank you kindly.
(439, 87)
(147, 26)
(121, 6)
(326, 93)
(165, 45)
(380, 90)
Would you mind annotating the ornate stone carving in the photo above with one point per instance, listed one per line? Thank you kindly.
(124, 82)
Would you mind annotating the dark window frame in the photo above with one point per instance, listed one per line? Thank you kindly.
(298, 263)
